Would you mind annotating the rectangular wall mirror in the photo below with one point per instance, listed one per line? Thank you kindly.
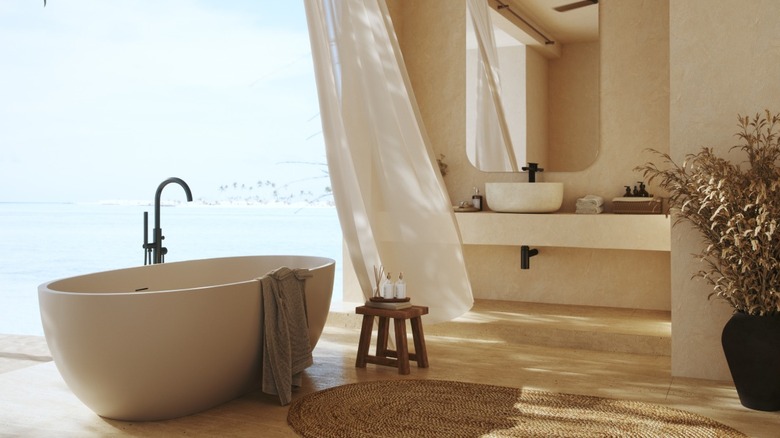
(550, 91)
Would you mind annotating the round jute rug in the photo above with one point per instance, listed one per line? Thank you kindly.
(439, 408)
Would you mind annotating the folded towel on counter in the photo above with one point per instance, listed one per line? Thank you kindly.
(589, 210)
(590, 201)
(590, 204)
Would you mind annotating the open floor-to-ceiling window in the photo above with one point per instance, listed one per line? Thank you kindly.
(102, 101)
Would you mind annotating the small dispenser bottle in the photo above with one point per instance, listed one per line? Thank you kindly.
(400, 286)
(642, 190)
(387, 289)
(476, 200)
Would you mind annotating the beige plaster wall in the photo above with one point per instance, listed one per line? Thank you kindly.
(647, 49)
(724, 58)
(634, 116)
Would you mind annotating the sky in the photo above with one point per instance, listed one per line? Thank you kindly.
(104, 100)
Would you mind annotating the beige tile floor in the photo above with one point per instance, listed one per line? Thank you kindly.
(34, 401)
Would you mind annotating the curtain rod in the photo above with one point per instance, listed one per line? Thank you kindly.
(501, 5)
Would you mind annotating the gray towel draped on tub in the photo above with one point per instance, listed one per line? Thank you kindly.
(286, 348)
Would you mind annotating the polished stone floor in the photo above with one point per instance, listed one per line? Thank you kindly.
(594, 351)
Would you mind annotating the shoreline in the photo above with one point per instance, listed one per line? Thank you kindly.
(195, 203)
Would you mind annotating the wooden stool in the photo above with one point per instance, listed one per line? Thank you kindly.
(399, 358)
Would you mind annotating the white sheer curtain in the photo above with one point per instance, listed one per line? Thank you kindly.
(493, 145)
(391, 200)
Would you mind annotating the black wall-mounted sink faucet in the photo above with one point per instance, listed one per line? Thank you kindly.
(532, 168)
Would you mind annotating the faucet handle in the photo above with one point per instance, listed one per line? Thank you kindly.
(533, 167)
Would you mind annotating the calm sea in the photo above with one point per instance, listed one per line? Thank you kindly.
(43, 242)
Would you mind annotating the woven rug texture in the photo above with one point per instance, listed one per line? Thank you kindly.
(439, 408)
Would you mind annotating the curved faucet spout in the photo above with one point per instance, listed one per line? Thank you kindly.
(157, 195)
(157, 248)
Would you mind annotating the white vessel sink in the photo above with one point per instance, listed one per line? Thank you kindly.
(523, 197)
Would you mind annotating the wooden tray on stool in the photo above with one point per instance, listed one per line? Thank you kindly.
(389, 300)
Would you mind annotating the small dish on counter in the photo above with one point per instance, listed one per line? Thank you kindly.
(467, 209)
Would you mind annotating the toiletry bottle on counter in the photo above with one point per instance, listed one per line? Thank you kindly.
(400, 286)
(387, 289)
(642, 190)
(476, 200)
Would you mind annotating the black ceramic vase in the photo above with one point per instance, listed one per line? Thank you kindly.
(752, 348)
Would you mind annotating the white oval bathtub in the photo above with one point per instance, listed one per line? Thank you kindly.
(167, 340)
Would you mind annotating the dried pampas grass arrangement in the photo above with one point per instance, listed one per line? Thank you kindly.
(736, 210)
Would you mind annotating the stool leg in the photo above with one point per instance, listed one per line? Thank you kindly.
(365, 341)
(381, 336)
(401, 348)
(419, 343)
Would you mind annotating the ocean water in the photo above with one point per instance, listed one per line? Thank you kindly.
(44, 242)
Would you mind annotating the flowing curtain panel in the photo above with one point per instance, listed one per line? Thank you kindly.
(391, 200)
(493, 144)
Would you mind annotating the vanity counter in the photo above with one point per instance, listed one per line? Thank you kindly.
(650, 232)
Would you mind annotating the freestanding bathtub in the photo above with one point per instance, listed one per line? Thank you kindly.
(167, 340)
